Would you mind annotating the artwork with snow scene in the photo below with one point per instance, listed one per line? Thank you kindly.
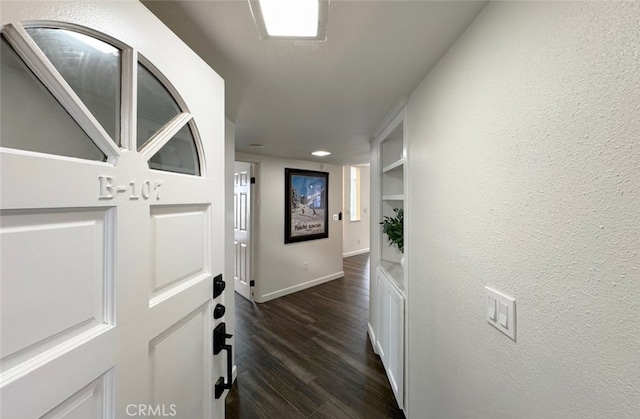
(306, 205)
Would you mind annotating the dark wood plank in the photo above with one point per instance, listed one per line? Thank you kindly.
(307, 355)
(298, 393)
(255, 398)
(330, 411)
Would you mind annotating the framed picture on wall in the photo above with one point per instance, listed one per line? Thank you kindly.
(306, 205)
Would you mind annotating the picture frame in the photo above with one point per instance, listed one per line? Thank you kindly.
(306, 205)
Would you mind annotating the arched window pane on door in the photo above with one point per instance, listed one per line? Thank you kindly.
(91, 67)
(32, 119)
(178, 155)
(156, 105)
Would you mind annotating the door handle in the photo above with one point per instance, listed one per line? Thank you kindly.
(220, 336)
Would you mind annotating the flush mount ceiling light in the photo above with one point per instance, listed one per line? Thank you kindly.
(291, 19)
(320, 153)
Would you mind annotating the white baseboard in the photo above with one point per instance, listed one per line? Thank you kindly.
(299, 287)
(372, 337)
(355, 252)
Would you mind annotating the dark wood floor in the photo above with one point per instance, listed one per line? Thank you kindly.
(307, 355)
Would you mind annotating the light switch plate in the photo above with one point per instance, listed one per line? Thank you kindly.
(491, 309)
(501, 311)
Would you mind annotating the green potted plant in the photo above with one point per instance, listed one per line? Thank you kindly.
(393, 227)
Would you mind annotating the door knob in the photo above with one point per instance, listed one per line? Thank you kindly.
(218, 311)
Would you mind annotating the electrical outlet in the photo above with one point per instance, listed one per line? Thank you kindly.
(305, 266)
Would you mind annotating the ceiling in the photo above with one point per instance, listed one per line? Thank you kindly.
(295, 97)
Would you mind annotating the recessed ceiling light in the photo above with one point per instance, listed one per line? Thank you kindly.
(320, 153)
(291, 19)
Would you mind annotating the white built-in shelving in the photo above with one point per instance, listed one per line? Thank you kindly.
(389, 284)
(391, 164)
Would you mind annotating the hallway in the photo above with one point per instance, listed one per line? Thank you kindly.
(307, 355)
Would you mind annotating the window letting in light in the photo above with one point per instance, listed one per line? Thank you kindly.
(354, 202)
(291, 19)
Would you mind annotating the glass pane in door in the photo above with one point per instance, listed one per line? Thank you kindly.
(32, 119)
(179, 155)
(156, 105)
(92, 69)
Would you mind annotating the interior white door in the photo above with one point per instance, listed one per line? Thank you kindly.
(111, 216)
(242, 228)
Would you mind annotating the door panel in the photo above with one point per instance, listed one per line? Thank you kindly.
(395, 355)
(177, 358)
(93, 401)
(107, 267)
(391, 333)
(64, 256)
(172, 228)
(383, 318)
(242, 228)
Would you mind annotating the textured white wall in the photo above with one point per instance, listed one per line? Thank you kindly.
(278, 266)
(525, 176)
(356, 231)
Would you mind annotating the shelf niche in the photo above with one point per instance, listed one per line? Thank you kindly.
(391, 172)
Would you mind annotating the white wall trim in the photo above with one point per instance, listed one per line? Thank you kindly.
(299, 287)
(372, 337)
(393, 113)
(355, 252)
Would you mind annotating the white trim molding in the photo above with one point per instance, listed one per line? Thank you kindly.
(299, 287)
(372, 337)
(355, 252)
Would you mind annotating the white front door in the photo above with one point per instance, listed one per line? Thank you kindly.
(111, 232)
(242, 228)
